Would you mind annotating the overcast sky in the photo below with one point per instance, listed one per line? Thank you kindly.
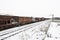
(35, 8)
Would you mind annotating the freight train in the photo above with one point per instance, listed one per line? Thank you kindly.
(7, 22)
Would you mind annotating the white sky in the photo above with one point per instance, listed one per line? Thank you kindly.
(35, 8)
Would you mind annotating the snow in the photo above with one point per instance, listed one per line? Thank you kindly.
(34, 31)
(53, 32)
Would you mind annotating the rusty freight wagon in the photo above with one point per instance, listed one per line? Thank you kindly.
(7, 22)
(25, 20)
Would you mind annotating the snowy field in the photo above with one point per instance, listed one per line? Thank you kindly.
(53, 32)
(34, 31)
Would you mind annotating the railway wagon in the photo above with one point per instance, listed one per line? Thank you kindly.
(25, 20)
(39, 19)
(4, 19)
(8, 22)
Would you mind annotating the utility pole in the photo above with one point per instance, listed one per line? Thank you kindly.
(52, 17)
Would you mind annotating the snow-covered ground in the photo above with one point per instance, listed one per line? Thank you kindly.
(35, 31)
(45, 30)
(53, 32)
